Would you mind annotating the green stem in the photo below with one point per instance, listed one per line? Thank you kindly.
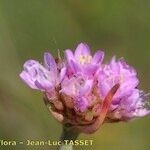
(68, 133)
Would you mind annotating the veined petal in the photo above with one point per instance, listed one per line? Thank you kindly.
(49, 63)
(86, 89)
(82, 50)
(26, 78)
(43, 84)
(74, 66)
(69, 55)
(89, 70)
(98, 57)
(36, 76)
(62, 73)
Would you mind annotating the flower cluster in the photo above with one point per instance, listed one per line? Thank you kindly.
(84, 92)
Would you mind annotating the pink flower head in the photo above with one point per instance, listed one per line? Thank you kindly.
(85, 92)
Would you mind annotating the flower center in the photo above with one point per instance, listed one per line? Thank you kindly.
(84, 59)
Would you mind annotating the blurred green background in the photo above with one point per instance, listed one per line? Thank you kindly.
(28, 28)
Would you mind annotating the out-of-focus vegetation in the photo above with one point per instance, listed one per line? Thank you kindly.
(28, 28)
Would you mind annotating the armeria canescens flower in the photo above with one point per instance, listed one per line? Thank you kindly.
(45, 78)
(83, 61)
(84, 92)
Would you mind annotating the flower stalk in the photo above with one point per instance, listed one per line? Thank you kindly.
(68, 133)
